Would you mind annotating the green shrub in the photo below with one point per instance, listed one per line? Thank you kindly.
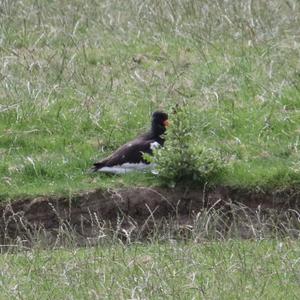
(183, 158)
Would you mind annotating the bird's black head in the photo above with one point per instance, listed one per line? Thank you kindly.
(159, 123)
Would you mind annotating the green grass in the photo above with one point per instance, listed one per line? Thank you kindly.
(80, 78)
(215, 270)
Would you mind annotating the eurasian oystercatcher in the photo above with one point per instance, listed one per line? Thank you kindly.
(129, 157)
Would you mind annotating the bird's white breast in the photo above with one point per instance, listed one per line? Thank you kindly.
(154, 145)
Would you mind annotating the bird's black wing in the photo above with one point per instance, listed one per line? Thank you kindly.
(131, 152)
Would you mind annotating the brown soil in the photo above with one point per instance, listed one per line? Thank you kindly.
(128, 204)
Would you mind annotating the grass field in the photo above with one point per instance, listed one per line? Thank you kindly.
(80, 78)
(215, 270)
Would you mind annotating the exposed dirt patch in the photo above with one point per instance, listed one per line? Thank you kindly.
(140, 206)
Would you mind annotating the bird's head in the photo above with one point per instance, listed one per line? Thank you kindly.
(159, 122)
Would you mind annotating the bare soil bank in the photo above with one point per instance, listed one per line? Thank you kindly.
(126, 206)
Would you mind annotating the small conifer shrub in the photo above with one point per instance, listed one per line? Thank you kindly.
(184, 158)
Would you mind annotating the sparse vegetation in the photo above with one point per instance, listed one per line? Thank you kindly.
(205, 259)
(77, 80)
(230, 269)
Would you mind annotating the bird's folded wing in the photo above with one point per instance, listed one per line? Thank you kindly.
(131, 152)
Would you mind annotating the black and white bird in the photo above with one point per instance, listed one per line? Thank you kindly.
(129, 157)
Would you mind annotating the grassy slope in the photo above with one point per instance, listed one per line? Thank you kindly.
(215, 270)
(80, 78)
